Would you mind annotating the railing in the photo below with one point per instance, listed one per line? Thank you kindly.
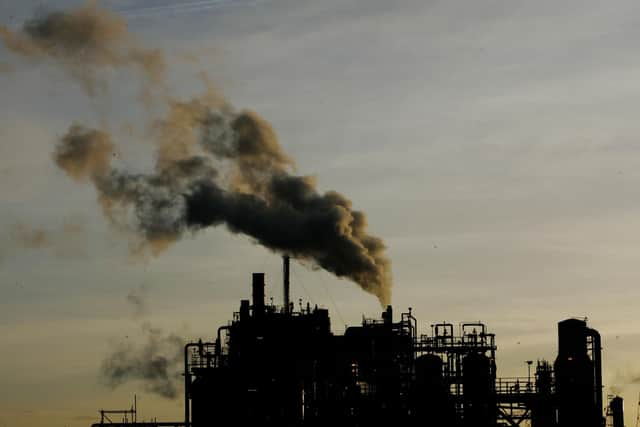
(451, 344)
(201, 355)
(515, 387)
(141, 424)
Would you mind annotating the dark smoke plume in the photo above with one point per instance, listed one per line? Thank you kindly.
(214, 166)
(83, 41)
(156, 362)
(229, 169)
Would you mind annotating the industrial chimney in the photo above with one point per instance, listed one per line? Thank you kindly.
(616, 411)
(285, 284)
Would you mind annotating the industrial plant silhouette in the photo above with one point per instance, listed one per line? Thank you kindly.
(278, 366)
(217, 166)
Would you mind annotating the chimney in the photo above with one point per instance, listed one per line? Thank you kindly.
(616, 408)
(285, 278)
(387, 316)
(258, 294)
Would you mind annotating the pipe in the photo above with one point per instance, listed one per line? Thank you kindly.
(187, 385)
(475, 324)
(187, 378)
(443, 332)
(596, 350)
(285, 277)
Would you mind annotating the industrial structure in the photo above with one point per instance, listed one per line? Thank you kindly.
(615, 412)
(280, 366)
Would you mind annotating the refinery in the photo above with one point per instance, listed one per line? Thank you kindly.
(281, 366)
(499, 132)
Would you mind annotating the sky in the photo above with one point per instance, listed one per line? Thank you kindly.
(494, 146)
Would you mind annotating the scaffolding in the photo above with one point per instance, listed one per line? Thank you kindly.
(129, 418)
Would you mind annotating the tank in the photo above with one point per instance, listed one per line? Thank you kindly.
(432, 402)
(576, 377)
(479, 394)
(429, 370)
(572, 337)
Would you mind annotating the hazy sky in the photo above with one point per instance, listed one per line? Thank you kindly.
(493, 144)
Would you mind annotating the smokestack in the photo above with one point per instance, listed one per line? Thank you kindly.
(285, 278)
(258, 294)
(616, 409)
(387, 315)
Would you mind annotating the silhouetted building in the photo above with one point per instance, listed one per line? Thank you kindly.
(276, 366)
(543, 408)
(578, 375)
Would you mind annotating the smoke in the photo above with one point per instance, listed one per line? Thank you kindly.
(624, 379)
(66, 240)
(228, 169)
(137, 298)
(28, 237)
(616, 390)
(215, 165)
(153, 356)
(83, 153)
(155, 359)
(84, 41)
